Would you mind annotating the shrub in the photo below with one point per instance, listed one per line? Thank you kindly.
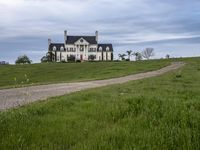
(78, 61)
(127, 59)
(71, 58)
(63, 61)
(23, 60)
(91, 57)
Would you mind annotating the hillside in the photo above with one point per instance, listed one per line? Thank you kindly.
(20, 75)
(156, 113)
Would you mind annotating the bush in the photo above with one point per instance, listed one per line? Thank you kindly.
(45, 59)
(92, 57)
(127, 59)
(23, 60)
(71, 58)
(63, 61)
(78, 61)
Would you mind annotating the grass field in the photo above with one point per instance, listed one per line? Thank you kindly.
(11, 76)
(156, 113)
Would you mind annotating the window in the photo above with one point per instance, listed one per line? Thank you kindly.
(100, 48)
(92, 50)
(81, 48)
(54, 48)
(61, 48)
(107, 48)
(81, 40)
(58, 57)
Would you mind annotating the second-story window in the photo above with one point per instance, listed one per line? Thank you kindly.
(54, 48)
(81, 48)
(92, 50)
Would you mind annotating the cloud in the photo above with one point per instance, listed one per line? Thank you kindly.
(27, 24)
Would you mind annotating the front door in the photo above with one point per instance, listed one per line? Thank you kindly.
(81, 57)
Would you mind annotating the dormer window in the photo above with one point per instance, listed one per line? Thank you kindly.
(61, 48)
(107, 48)
(100, 48)
(54, 48)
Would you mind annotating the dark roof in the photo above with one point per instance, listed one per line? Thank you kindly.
(73, 39)
(104, 46)
(57, 45)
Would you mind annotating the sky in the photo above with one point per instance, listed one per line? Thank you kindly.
(169, 26)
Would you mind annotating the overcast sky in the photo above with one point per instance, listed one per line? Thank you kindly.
(169, 26)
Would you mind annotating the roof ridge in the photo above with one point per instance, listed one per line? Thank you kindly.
(81, 35)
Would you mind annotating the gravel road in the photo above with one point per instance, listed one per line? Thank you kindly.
(15, 97)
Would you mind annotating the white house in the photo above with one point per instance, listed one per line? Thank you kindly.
(81, 48)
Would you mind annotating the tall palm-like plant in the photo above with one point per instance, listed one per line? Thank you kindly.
(129, 53)
(122, 56)
(138, 56)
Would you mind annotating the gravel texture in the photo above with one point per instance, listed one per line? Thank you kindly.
(10, 98)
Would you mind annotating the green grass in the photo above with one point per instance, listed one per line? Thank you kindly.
(71, 72)
(156, 113)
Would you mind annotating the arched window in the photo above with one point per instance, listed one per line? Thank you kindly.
(100, 48)
(54, 48)
(61, 48)
(107, 48)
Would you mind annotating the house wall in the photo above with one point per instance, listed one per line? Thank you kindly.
(99, 56)
(109, 56)
(64, 55)
(74, 49)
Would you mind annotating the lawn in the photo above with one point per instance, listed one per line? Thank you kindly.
(20, 75)
(156, 113)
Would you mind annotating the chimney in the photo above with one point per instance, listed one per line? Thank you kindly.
(97, 35)
(49, 42)
(65, 35)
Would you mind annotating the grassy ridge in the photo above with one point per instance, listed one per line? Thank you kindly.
(156, 113)
(71, 72)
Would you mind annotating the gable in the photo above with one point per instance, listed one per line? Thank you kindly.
(81, 41)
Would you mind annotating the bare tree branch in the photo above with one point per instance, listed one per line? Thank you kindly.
(147, 53)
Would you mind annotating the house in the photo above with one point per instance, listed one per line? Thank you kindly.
(3, 63)
(83, 48)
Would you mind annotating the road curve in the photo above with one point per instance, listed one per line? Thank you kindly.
(10, 98)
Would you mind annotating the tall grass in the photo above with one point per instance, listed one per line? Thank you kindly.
(158, 113)
(71, 72)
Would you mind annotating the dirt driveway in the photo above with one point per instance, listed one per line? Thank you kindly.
(10, 98)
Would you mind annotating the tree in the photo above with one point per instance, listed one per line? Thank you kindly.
(71, 58)
(91, 57)
(129, 54)
(46, 58)
(23, 60)
(138, 56)
(167, 56)
(147, 53)
(122, 56)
